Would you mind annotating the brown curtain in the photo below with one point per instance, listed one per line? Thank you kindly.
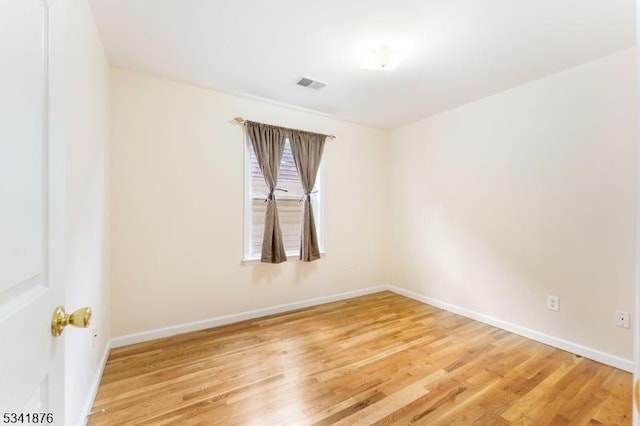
(307, 152)
(268, 145)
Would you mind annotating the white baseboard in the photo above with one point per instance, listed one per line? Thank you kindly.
(95, 383)
(594, 354)
(233, 318)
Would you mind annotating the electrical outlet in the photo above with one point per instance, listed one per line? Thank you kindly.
(553, 303)
(622, 319)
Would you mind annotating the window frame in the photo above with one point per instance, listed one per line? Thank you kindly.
(318, 208)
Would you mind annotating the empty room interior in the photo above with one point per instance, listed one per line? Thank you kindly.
(348, 212)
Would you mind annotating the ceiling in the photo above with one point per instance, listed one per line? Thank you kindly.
(457, 50)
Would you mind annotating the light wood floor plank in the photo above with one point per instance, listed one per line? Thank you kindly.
(381, 359)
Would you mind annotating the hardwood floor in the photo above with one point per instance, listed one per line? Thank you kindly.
(381, 359)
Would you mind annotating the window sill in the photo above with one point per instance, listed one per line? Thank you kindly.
(290, 257)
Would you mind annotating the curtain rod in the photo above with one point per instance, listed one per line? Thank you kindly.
(241, 121)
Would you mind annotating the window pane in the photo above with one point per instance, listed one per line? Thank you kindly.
(289, 205)
(290, 213)
(288, 178)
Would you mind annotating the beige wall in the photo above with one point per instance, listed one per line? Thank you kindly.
(488, 207)
(526, 193)
(177, 207)
(86, 130)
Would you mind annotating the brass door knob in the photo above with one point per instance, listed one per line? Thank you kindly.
(80, 318)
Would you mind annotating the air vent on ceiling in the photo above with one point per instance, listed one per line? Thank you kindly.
(311, 83)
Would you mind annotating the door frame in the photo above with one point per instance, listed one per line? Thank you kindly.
(636, 334)
(56, 182)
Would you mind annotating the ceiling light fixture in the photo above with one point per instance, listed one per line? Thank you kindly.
(383, 58)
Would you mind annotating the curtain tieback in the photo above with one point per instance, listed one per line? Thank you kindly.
(307, 195)
(271, 194)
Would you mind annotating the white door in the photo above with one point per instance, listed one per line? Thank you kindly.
(31, 360)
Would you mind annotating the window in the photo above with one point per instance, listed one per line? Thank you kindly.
(289, 204)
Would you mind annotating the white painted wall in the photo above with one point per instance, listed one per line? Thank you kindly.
(177, 207)
(86, 128)
(526, 193)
